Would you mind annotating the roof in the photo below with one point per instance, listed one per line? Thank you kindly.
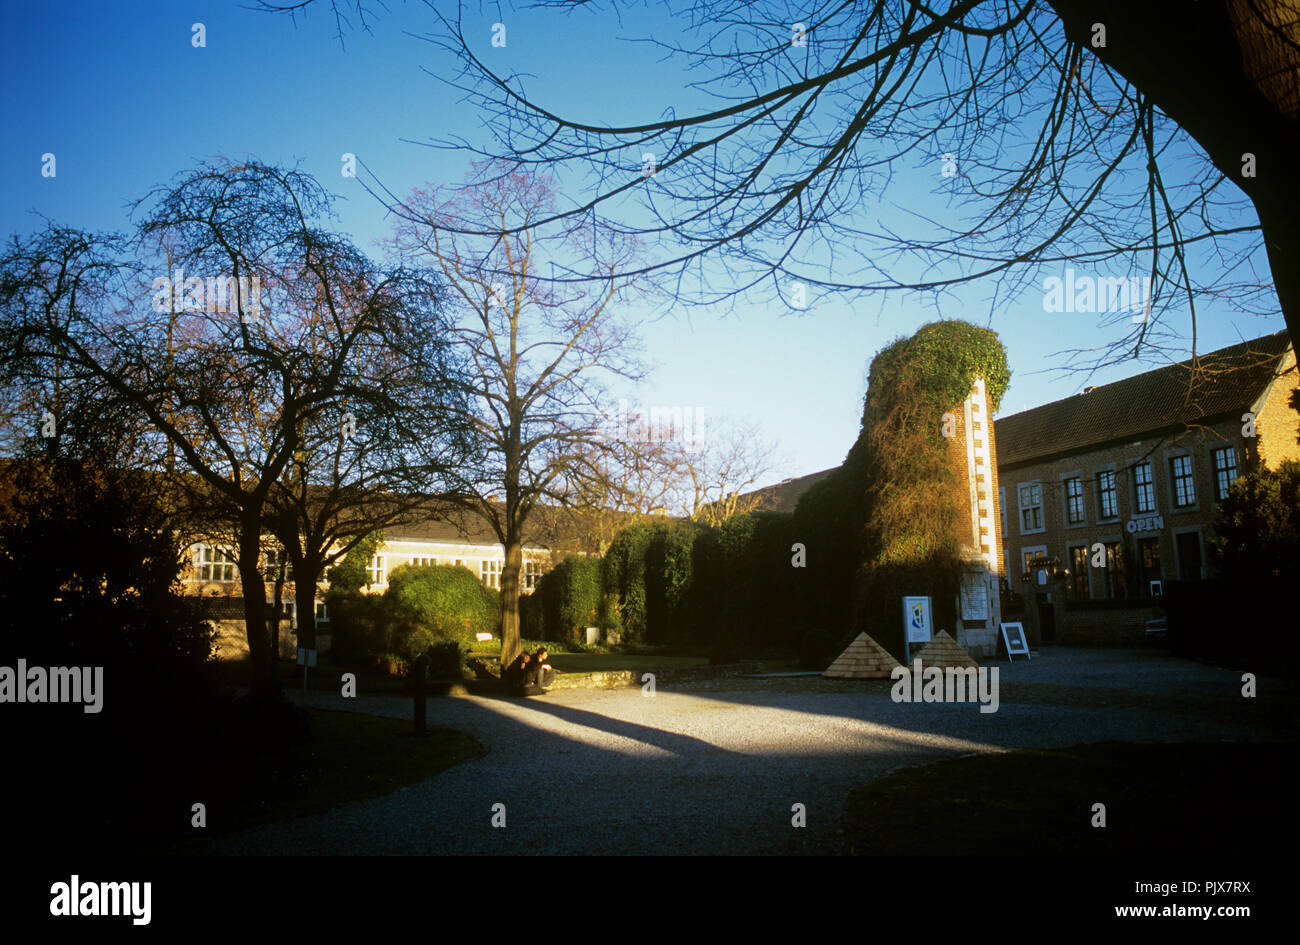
(1228, 382)
(783, 496)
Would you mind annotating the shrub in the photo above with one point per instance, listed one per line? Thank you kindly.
(817, 648)
(623, 580)
(358, 625)
(669, 575)
(428, 604)
(565, 602)
(447, 660)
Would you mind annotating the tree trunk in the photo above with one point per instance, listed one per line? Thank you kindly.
(277, 608)
(264, 683)
(1186, 59)
(304, 595)
(511, 645)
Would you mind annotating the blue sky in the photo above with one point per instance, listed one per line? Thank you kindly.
(124, 100)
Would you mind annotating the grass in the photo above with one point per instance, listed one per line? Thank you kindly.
(326, 676)
(614, 662)
(348, 757)
(1179, 799)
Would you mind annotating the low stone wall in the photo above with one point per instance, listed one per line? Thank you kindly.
(624, 678)
(1119, 623)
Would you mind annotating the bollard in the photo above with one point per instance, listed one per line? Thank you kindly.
(418, 670)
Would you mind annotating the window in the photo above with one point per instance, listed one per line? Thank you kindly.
(375, 571)
(1002, 509)
(1115, 585)
(532, 573)
(1149, 562)
(1031, 507)
(1184, 489)
(424, 562)
(490, 574)
(1079, 572)
(213, 564)
(271, 565)
(1107, 501)
(1225, 471)
(1074, 501)
(1144, 489)
(1029, 554)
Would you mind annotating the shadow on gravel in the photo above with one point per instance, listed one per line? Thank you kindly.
(668, 741)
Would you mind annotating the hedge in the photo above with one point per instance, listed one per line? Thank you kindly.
(429, 604)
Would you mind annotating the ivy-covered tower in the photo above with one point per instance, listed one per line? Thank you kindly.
(927, 463)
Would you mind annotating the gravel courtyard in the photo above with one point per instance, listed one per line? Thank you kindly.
(714, 768)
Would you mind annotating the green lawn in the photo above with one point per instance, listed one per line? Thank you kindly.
(1178, 799)
(613, 662)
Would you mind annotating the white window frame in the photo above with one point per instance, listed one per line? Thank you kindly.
(1175, 478)
(377, 571)
(1137, 487)
(1027, 488)
(206, 568)
(489, 571)
(1232, 471)
(1113, 492)
(1083, 508)
(1038, 551)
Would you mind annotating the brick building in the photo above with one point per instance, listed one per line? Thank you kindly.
(1108, 494)
(1087, 505)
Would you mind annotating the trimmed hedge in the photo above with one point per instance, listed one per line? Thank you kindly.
(432, 604)
(565, 602)
(881, 526)
(623, 600)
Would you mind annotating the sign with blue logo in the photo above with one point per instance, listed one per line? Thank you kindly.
(917, 627)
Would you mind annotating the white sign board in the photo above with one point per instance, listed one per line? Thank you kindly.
(1013, 635)
(916, 619)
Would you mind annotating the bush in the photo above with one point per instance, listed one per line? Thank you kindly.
(669, 575)
(817, 648)
(358, 625)
(429, 604)
(623, 580)
(566, 601)
(447, 660)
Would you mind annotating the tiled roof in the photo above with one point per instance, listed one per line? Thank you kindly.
(783, 496)
(1229, 382)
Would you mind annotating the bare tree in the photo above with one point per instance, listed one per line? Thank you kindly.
(1149, 139)
(539, 350)
(263, 327)
(722, 471)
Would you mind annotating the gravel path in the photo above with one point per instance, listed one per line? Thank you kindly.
(715, 769)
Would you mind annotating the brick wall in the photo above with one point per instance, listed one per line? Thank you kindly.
(1276, 422)
(1105, 625)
